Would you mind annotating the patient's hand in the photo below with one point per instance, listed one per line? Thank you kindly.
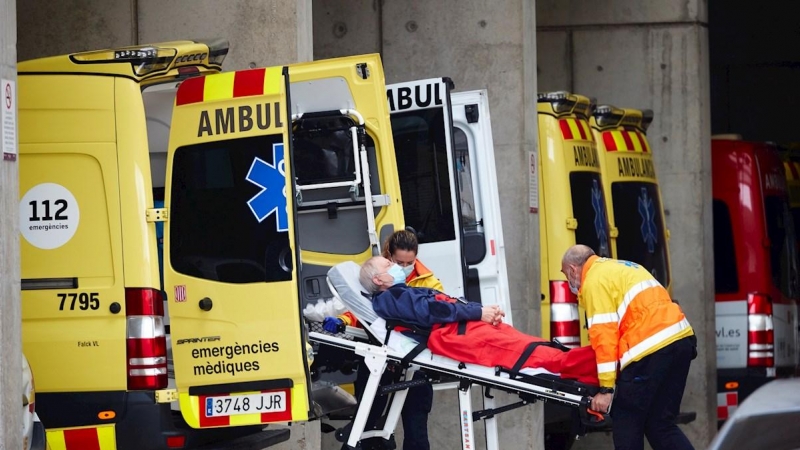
(492, 314)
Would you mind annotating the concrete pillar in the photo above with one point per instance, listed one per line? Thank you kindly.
(479, 45)
(653, 55)
(10, 318)
(55, 28)
(261, 32)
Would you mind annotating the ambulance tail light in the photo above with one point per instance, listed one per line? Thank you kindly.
(565, 324)
(146, 339)
(760, 331)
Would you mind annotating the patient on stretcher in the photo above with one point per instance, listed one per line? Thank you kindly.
(468, 332)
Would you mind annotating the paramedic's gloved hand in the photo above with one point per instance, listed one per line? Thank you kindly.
(492, 314)
(333, 325)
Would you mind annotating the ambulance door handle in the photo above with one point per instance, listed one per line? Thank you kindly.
(206, 304)
(115, 308)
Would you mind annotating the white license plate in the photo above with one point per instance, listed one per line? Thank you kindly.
(246, 404)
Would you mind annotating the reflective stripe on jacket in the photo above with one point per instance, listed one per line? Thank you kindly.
(629, 314)
(422, 277)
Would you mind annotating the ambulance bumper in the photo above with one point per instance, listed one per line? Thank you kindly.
(141, 423)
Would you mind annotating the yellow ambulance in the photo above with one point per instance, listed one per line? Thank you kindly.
(572, 207)
(636, 213)
(117, 143)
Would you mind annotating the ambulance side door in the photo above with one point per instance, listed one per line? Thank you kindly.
(476, 175)
(230, 272)
(422, 131)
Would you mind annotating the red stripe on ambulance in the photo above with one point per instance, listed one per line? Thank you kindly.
(248, 82)
(191, 91)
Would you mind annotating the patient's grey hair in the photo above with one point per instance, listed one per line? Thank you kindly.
(369, 270)
(577, 255)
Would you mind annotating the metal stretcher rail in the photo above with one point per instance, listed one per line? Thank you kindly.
(497, 382)
(530, 388)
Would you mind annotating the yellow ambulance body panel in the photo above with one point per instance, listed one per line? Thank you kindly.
(253, 188)
(571, 207)
(94, 129)
(241, 359)
(365, 81)
(632, 193)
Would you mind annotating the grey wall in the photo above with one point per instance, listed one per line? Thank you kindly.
(480, 45)
(653, 55)
(261, 32)
(10, 319)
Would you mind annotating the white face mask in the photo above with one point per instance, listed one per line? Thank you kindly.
(408, 269)
(574, 288)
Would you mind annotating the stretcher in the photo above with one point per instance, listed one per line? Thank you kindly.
(384, 347)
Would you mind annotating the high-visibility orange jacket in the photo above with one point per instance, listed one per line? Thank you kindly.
(421, 276)
(629, 314)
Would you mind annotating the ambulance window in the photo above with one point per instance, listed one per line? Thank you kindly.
(323, 153)
(323, 150)
(421, 154)
(215, 234)
(783, 251)
(726, 278)
(589, 208)
(469, 213)
(637, 214)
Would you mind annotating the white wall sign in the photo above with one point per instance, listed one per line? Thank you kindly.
(8, 120)
(48, 216)
(533, 183)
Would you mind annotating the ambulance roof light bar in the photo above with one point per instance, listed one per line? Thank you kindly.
(608, 116)
(561, 101)
(217, 50)
(147, 59)
(647, 119)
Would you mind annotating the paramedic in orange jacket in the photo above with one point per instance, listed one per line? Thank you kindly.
(401, 248)
(643, 344)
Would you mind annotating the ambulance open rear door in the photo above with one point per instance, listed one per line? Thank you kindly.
(422, 128)
(230, 252)
(476, 174)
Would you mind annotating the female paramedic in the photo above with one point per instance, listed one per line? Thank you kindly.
(401, 248)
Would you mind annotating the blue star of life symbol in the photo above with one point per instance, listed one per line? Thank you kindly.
(600, 222)
(271, 178)
(648, 212)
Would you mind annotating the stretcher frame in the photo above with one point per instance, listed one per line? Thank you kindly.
(378, 357)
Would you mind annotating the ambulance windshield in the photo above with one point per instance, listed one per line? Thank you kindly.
(637, 215)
